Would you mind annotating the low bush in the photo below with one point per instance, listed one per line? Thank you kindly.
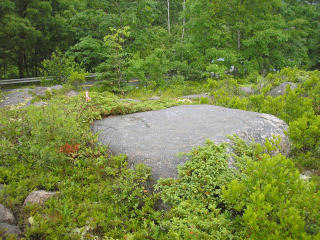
(200, 178)
(52, 148)
(76, 78)
(260, 197)
(272, 202)
(298, 107)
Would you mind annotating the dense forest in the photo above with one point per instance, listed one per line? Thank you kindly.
(58, 181)
(157, 40)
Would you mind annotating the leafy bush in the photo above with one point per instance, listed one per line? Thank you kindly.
(191, 219)
(311, 86)
(58, 67)
(305, 136)
(52, 148)
(152, 70)
(272, 202)
(76, 78)
(200, 178)
(298, 107)
(112, 70)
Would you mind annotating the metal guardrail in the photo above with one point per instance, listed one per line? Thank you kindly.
(34, 79)
(23, 80)
(132, 82)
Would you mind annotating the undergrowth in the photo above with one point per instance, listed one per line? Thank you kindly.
(260, 197)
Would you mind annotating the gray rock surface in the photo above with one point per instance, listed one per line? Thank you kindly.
(197, 96)
(40, 104)
(17, 96)
(156, 137)
(24, 96)
(281, 89)
(39, 197)
(247, 90)
(6, 215)
(56, 87)
(129, 100)
(41, 91)
(72, 93)
(154, 98)
(9, 229)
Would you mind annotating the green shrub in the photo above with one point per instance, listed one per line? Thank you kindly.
(193, 220)
(305, 136)
(288, 75)
(76, 78)
(52, 148)
(59, 67)
(273, 202)
(200, 178)
(204, 100)
(298, 107)
(311, 87)
(198, 210)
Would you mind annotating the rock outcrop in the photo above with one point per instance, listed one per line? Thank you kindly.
(197, 96)
(6, 215)
(15, 97)
(22, 97)
(72, 93)
(247, 90)
(281, 89)
(8, 229)
(155, 138)
(39, 197)
(7, 223)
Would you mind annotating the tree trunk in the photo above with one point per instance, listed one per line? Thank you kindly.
(4, 68)
(239, 39)
(184, 18)
(25, 61)
(169, 25)
(21, 64)
(36, 62)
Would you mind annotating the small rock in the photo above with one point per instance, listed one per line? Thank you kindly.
(281, 89)
(154, 98)
(9, 229)
(72, 93)
(196, 96)
(31, 220)
(306, 175)
(6, 215)
(247, 90)
(41, 91)
(39, 104)
(214, 75)
(129, 100)
(56, 87)
(1, 185)
(39, 197)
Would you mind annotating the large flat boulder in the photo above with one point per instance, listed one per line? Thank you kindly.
(155, 138)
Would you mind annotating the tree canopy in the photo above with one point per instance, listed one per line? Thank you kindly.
(248, 35)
